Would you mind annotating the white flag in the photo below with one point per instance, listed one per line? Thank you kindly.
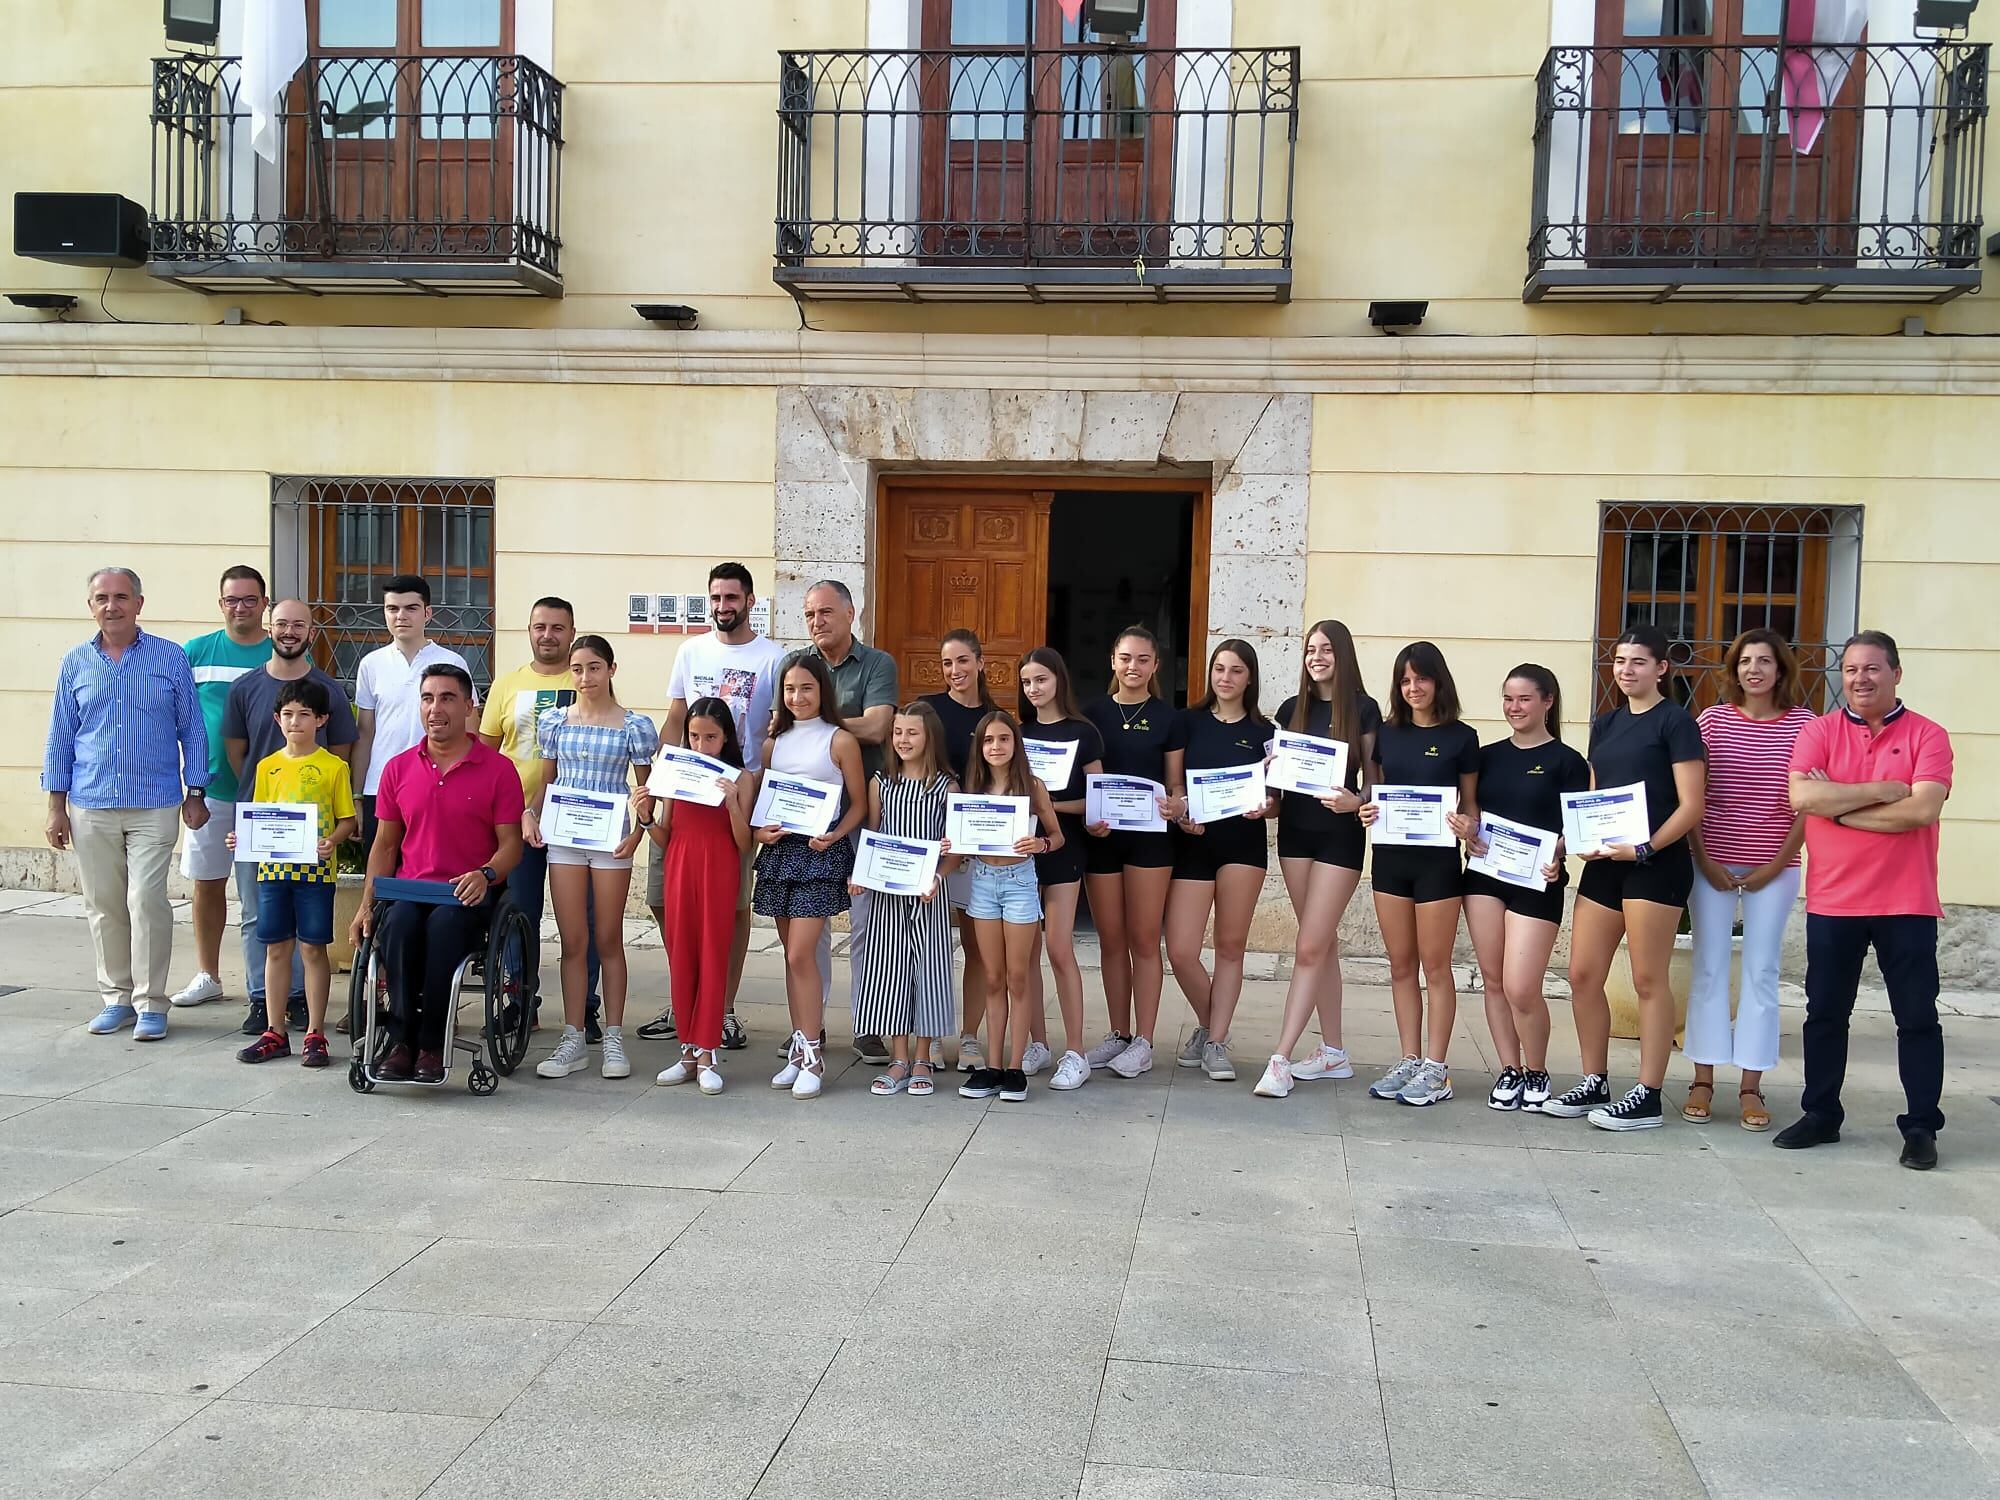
(273, 49)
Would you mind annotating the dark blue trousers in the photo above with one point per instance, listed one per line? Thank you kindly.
(1906, 953)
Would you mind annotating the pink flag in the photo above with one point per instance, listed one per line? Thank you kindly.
(1071, 9)
(1820, 38)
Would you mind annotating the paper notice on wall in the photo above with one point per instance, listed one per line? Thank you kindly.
(639, 613)
(667, 613)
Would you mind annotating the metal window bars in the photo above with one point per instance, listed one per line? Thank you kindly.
(423, 159)
(1755, 172)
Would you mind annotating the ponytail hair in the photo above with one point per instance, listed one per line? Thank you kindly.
(964, 637)
(1545, 683)
(1140, 633)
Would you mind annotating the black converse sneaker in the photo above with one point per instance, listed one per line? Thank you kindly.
(1638, 1110)
(1581, 1100)
(1534, 1091)
(1506, 1090)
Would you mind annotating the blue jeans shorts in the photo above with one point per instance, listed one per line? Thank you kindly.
(1010, 893)
(288, 909)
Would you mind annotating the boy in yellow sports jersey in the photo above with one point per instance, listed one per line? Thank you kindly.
(295, 901)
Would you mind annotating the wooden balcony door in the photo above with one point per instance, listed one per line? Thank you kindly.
(414, 158)
(957, 557)
(1064, 152)
(1684, 98)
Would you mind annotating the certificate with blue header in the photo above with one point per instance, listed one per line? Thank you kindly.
(1306, 763)
(1414, 815)
(1131, 803)
(1515, 852)
(984, 825)
(576, 818)
(1594, 820)
(797, 804)
(277, 833)
(895, 866)
(1224, 792)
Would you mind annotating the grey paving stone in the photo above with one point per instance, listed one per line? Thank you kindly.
(810, 1468)
(1773, 1456)
(752, 1385)
(85, 1252)
(1301, 1187)
(56, 1442)
(1240, 1422)
(251, 1451)
(283, 1140)
(129, 1340)
(374, 1360)
(1048, 1239)
(703, 1289)
(1962, 1380)
(1289, 1261)
(1002, 1180)
(1471, 1278)
(1486, 1216)
(1688, 1281)
(488, 1278)
(838, 1228)
(16, 1104)
(255, 1262)
(23, 1309)
(901, 1172)
(1610, 1222)
(1909, 1313)
(206, 1192)
(1185, 1321)
(1066, 1315)
(109, 1131)
(69, 1062)
(1932, 1241)
(1826, 1372)
(1124, 1482)
(27, 1176)
(623, 1152)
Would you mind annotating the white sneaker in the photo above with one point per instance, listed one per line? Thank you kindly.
(1277, 1080)
(1100, 1056)
(808, 1084)
(616, 1064)
(788, 1075)
(1326, 1062)
(1137, 1058)
(680, 1072)
(970, 1054)
(1036, 1058)
(203, 988)
(1071, 1073)
(1197, 1046)
(572, 1055)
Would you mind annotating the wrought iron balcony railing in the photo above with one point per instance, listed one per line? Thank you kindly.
(427, 174)
(1080, 173)
(1793, 174)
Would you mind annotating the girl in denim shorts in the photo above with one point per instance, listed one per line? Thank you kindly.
(1006, 904)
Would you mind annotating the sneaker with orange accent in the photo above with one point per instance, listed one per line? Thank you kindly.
(266, 1047)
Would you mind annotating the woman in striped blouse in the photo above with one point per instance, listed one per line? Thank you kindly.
(1747, 852)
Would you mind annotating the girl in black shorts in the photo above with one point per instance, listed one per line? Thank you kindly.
(1050, 717)
(1320, 848)
(1521, 778)
(1219, 866)
(1635, 892)
(964, 702)
(1126, 873)
(1417, 890)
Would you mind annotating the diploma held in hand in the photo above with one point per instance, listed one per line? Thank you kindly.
(1414, 815)
(687, 776)
(1128, 803)
(1306, 763)
(984, 825)
(1592, 821)
(1051, 760)
(1225, 792)
(573, 818)
(277, 833)
(1515, 852)
(895, 867)
(797, 804)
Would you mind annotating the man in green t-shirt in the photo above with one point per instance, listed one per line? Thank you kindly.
(218, 659)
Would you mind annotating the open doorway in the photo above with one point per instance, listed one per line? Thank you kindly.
(1125, 557)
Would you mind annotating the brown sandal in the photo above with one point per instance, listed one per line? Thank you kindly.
(1754, 1116)
(1698, 1114)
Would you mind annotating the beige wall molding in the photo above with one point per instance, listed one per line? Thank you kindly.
(1490, 365)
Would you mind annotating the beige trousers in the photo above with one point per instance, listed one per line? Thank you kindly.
(122, 858)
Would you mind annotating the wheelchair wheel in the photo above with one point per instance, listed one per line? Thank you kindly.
(482, 1079)
(510, 991)
(358, 1079)
(360, 991)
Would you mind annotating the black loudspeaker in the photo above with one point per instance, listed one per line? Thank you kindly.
(80, 229)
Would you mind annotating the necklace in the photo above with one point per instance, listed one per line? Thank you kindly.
(1137, 709)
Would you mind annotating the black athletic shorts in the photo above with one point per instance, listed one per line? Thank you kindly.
(1543, 906)
(1666, 878)
(1239, 841)
(1344, 844)
(1417, 873)
(1119, 848)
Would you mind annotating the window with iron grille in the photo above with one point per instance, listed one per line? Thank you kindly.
(336, 540)
(1706, 573)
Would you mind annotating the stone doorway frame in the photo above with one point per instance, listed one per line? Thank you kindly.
(834, 442)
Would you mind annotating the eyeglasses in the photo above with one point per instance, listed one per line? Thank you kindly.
(255, 601)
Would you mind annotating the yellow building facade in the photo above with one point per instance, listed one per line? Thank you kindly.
(1038, 343)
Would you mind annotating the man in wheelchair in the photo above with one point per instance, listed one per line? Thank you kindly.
(447, 810)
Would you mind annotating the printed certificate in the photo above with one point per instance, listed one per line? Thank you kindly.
(797, 804)
(277, 833)
(1306, 763)
(1225, 792)
(1414, 815)
(1129, 803)
(686, 776)
(1052, 760)
(985, 825)
(573, 818)
(1610, 815)
(1515, 852)
(895, 866)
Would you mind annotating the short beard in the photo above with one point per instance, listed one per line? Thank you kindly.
(278, 649)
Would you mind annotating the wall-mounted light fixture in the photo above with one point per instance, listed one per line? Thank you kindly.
(1945, 15)
(670, 313)
(1114, 18)
(55, 302)
(1393, 315)
(196, 21)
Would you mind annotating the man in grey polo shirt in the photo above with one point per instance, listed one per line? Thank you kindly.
(865, 680)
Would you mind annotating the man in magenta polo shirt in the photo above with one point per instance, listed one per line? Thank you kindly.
(448, 809)
(1872, 779)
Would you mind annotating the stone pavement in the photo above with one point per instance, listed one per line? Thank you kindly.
(222, 1281)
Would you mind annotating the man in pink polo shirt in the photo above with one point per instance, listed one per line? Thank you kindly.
(1872, 779)
(448, 809)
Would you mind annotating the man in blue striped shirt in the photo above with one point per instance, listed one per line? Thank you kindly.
(126, 763)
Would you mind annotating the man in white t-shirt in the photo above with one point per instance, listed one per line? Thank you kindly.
(387, 710)
(734, 663)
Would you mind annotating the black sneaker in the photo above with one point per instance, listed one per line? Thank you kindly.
(980, 1083)
(1591, 1093)
(1638, 1110)
(1534, 1091)
(254, 1022)
(660, 1029)
(593, 1033)
(733, 1039)
(1806, 1131)
(1013, 1085)
(295, 1012)
(1506, 1090)
(871, 1051)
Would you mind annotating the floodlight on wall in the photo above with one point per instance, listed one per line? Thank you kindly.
(1114, 18)
(1393, 315)
(196, 21)
(672, 313)
(55, 302)
(1945, 15)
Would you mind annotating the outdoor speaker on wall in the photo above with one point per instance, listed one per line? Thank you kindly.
(80, 229)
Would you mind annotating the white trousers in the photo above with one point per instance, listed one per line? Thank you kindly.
(1752, 1043)
(123, 855)
(857, 944)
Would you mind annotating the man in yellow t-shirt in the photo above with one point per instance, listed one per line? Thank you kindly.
(295, 901)
(513, 705)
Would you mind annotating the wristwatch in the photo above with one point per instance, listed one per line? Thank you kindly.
(1643, 853)
(492, 875)
(199, 793)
